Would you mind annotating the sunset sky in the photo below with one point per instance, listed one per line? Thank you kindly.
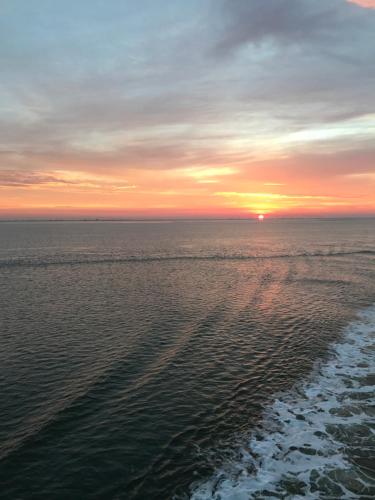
(176, 108)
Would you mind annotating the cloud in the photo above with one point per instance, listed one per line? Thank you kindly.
(207, 174)
(288, 21)
(209, 94)
(11, 178)
(60, 180)
(159, 97)
(270, 196)
(367, 4)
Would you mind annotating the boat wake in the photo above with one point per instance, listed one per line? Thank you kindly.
(317, 441)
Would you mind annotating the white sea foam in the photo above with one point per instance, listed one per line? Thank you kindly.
(318, 440)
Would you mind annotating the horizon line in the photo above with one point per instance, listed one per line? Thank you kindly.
(176, 219)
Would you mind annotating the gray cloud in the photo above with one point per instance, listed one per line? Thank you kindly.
(286, 21)
(160, 92)
(12, 178)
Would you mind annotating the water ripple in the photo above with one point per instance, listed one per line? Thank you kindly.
(317, 441)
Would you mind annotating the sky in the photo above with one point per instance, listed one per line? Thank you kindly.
(175, 108)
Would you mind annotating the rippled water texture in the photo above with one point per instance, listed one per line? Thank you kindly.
(317, 440)
(187, 359)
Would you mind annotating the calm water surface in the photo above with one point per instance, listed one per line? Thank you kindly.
(205, 360)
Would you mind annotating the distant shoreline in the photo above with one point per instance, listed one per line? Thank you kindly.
(185, 219)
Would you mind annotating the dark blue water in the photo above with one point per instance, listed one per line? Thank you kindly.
(179, 359)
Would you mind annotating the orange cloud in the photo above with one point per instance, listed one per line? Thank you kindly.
(321, 184)
(366, 4)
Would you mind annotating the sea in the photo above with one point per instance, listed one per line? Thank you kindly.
(176, 360)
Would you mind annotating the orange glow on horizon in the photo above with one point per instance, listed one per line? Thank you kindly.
(141, 194)
(277, 187)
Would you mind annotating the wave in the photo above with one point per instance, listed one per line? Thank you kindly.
(317, 441)
(37, 262)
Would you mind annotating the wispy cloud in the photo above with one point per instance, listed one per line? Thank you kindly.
(59, 179)
(366, 4)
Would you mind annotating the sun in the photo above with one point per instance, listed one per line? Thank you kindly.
(260, 217)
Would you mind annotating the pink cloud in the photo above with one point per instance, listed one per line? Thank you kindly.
(366, 4)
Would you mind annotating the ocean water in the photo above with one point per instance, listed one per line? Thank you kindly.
(187, 359)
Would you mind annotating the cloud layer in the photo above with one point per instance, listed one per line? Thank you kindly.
(367, 4)
(183, 100)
